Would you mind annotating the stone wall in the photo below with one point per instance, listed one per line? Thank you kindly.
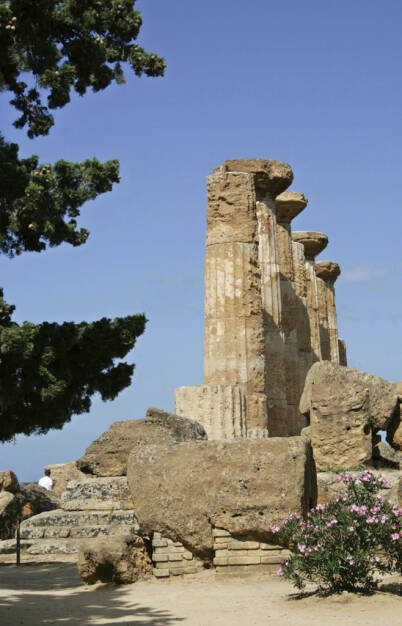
(170, 558)
(231, 553)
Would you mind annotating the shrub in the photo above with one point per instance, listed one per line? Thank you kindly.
(342, 545)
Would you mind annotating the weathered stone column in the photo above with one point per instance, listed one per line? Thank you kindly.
(242, 287)
(288, 205)
(327, 272)
(343, 360)
(313, 243)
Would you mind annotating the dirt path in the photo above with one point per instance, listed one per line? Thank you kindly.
(53, 594)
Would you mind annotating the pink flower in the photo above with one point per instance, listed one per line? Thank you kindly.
(276, 528)
(280, 572)
(351, 528)
(384, 481)
(395, 536)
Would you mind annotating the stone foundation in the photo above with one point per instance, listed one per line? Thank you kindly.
(170, 558)
(234, 553)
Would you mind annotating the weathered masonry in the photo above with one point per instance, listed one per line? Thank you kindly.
(269, 307)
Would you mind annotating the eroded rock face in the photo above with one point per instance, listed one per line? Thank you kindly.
(107, 455)
(117, 559)
(244, 486)
(344, 407)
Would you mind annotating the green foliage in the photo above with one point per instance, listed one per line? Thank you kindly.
(48, 372)
(35, 199)
(67, 45)
(343, 544)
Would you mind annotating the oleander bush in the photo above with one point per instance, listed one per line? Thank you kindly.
(344, 544)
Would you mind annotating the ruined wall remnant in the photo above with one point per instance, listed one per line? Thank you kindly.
(268, 317)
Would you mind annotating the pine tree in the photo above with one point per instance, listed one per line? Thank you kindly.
(49, 372)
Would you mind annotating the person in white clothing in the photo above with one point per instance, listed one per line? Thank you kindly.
(46, 482)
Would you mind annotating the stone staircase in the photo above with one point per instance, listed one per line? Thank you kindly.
(90, 508)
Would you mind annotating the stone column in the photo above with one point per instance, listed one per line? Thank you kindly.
(288, 205)
(303, 323)
(242, 286)
(327, 272)
(313, 243)
(342, 352)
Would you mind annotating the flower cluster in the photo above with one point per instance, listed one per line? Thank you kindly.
(344, 543)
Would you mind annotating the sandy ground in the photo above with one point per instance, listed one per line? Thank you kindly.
(53, 594)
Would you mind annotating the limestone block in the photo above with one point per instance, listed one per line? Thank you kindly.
(107, 455)
(234, 352)
(9, 510)
(190, 488)
(232, 280)
(221, 409)
(345, 405)
(220, 532)
(231, 208)
(119, 559)
(161, 573)
(97, 494)
(9, 482)
(61, 473)
(244, 560)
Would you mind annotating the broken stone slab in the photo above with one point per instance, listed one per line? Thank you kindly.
(96, 494)
(121, 560)
(55, 546)
(190, 488)
(344, 407)
(9, 482)
(107, 455)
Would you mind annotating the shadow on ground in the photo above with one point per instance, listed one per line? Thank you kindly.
(29, 598)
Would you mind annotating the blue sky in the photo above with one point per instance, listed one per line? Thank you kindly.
(316, 84)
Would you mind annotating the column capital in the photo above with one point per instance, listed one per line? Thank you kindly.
(289, 204)
(313, 242)
(271, 176)
(328, 271)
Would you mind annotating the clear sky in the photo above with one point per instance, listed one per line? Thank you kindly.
(316, 84)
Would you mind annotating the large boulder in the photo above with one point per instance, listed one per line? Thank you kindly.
(394, 432)
(244, 486)
(107, 455)
(35, 500)
(118, 559)
(345, 406)
(9, 482)
(9, 512)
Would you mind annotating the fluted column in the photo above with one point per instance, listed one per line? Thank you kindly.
(328, 272)
(242, 287)
(288, 205)
(313, 243)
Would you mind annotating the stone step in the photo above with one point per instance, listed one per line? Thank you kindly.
(64, 532)
(97, 494)
(55, 546)
(59, 518)
(9, 546)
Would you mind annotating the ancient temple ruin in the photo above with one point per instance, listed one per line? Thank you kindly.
(269, 306)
